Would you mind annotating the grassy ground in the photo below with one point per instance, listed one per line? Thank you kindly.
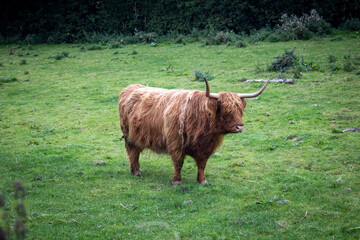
(287, 176)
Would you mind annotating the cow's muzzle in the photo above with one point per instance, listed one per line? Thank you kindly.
(239, 128)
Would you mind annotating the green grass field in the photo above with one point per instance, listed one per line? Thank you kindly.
(289, 175)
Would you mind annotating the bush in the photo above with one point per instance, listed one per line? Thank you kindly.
(58, 38)
(289, 62)
(352, 24)
(114, 44)
(33, 39)
(334, 67)
(146, 37)
(131, 39)
(240, 44)
(284, 62)
(60, 56)
(196, 35)
(304, 27)
(180, 39)
(332, 59)
(260, 35)
(199, 76)
(348, 67)
(228, 38)
(7, 79)
(315, 23)
(337, 38)
(94, 47)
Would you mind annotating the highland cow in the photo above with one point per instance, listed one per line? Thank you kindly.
(179, 123)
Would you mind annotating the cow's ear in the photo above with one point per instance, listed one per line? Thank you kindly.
(244, 102)
(212, 106)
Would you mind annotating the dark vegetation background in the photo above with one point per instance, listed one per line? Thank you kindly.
(66, 21)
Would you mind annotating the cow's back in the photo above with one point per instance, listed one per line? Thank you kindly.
(149, 117)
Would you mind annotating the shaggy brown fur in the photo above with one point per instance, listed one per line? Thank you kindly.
(177, 122)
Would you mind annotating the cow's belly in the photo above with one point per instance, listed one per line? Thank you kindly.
(148, 138)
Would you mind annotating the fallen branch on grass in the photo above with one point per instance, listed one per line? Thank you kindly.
(272, 80)
(353, 229)
(124, 206)
(351, 130)
(337, 130)
(298, 221)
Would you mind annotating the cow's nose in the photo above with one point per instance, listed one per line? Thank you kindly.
(239, 128)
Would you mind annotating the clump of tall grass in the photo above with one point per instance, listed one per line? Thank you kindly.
(16, 229)
(61, 55)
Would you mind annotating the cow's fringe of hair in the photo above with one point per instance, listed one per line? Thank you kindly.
(182, 117)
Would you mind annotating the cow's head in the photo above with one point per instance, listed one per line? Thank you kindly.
(228, 108)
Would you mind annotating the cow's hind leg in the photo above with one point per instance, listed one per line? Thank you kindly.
(133, 154)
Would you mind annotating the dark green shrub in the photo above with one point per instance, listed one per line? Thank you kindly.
(60, 56)
(199, 76)
(94, 47)
(284, 62)
(352, 24)
(130, 39)
(146, 37)
(222, 37)
(180, 39)
(228, 38)
(7, 79)
(23, 62)
(347, 57)
(33, 39)
(348, 67)
(282, 36)
(274, 37)
(58, 38)
(240, 44)
(337, 38)
(332, 59)
(114, 44)
(260, 35)
(288, 62)
(196, 35)
(211, 39)
(334, 67)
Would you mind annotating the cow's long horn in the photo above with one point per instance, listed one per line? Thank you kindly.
(255, 94)
(208, 93)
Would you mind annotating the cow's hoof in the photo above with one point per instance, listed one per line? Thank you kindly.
(136, 174)
(202, 182)
(176, 183)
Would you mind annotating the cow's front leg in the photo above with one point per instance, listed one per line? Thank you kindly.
(178, 161)
(133, 154)
(201, 171)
